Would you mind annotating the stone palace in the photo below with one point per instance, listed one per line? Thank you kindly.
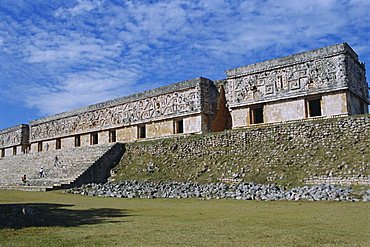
(321, 83)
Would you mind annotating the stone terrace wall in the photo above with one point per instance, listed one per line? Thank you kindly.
(284, 153)
(322, 70)
(73, 166)
(175, 100)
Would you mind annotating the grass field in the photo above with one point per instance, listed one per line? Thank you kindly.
(57, 219)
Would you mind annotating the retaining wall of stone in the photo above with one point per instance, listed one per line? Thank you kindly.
(62, 168)
(285, 152)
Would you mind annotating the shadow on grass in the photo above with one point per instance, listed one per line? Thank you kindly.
(17, 216)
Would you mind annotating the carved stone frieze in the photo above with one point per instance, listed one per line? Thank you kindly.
(185, 101)
(319, 71)
(301, 78)
(14, 136)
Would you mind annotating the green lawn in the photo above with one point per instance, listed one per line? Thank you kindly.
(72, 220)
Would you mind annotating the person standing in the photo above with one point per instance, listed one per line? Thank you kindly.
(56, 160)
(42, 174)
(24, 179)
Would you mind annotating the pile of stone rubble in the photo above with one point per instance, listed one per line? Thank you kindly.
(241, 191)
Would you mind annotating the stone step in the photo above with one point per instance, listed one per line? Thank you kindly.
(72, 163)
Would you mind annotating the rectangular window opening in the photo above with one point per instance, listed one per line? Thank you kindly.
(39, 147)
(94, 139)
(2, 152)
(58, 143)
(314, 107)
(256, 115)
(112, 136)
(179, 126)
(141, 131)
(77, 141)
(14, 150)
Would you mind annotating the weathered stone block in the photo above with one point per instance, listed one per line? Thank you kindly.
(127, 134)
(159, 129)
(284, 111)
(334, 104)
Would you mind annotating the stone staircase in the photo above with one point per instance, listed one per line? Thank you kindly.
(63, 168)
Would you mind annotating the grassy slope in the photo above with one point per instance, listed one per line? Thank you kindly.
(141, 222)
(264, 160)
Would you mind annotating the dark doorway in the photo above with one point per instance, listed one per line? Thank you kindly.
(314, 108)
(112, 136)
(58, 144)
(39, 147)
(142, 131)
(179, 126)
(77, 141)
(94, 139)
(256, 115)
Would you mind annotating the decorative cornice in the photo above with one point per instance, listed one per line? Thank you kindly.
(291, 60)
(13, 128)
(175, 87)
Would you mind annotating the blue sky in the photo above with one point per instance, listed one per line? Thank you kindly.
(59, 55)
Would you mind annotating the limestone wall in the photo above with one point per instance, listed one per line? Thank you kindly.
(176, 100)
(317, 71)
(240, 117)
(127, 134)
(14, 136)
(356, 105)
(283, 86)
(14, 140)
(334, 104)
(158, 129)
(356, 77)
(284, 111)
(328, 81)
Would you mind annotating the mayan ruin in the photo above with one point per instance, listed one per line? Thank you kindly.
(325, 83)
(175, 123)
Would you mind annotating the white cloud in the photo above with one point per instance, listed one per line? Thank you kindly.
(73, 51)
(81, 7)
(97, 50)
(79, 89)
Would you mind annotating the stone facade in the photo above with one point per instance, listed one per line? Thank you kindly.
(150, 114)
(14, 140)
(324, 82)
